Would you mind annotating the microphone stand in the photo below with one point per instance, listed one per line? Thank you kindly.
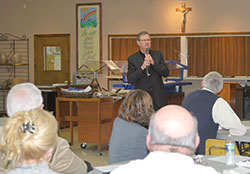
(95, 78)
(95, 72)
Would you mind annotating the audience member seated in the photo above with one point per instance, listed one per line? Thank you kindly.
(128, 138)
(25, 97)
(171, 140)
(28, 141)
(212, 111)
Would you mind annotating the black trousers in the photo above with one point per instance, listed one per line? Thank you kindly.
(89, 166)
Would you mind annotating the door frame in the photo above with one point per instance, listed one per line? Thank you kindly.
(36, 36)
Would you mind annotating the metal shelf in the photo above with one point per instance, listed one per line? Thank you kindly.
(12, 45)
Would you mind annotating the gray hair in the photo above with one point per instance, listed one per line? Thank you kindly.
(23, 97)
(213, 81)
(141, 34)
(160, 137)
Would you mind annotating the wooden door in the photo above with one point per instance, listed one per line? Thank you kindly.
(52, 58)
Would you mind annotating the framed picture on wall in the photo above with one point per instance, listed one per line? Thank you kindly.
(88, 35)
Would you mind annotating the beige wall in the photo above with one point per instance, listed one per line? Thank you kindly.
(121, 17)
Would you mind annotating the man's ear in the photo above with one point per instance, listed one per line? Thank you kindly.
(138, 42)
(202, 84)
(148, 141)
(41, 106)
(197, 141)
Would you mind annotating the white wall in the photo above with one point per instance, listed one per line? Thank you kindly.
(121, 17)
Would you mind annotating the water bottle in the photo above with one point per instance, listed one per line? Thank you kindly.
(230, 149)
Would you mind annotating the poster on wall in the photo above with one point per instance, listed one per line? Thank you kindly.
(88, 34)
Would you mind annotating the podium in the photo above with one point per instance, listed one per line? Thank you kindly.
(232, 92)
(173, 85)
(93, 115)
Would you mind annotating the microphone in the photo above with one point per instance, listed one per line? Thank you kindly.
(147, 71)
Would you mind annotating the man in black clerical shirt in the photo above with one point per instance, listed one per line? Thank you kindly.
(146, 68)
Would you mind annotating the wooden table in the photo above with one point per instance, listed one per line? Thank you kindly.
(93, 115)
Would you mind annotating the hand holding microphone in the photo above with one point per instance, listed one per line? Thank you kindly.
(147, 61)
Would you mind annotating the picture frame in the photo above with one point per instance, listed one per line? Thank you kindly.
(88, 35)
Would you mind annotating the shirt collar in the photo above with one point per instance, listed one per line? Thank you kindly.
(207, 90)
(141, 53)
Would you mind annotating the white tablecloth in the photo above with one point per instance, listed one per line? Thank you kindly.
(223, 134)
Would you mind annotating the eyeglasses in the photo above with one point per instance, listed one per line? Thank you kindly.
(145, 40)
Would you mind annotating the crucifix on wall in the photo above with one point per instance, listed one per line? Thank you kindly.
(184, 10)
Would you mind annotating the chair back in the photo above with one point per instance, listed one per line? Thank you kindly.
(217, 147)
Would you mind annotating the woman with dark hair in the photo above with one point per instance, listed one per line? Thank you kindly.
(128, 138)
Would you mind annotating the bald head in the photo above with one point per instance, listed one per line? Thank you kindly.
(174, 121)
(173, 129)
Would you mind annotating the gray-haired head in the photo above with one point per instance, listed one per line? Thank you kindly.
(141, 34)
(173, 129)
(213, 81)
(23, 97)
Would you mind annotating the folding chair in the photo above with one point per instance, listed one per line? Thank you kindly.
(217, 147)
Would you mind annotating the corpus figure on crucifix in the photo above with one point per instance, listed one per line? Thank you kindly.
(184, 10)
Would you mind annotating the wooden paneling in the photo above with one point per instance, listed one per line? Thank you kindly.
(227, 55)
(246, 56)
(121, 47)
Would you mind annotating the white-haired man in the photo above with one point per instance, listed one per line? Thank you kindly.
(172, 140)
(26, 96)
(212, 111)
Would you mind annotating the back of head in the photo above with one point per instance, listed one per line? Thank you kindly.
(28, 135)
(213, 81)
(173, 129)
(137, 107)
(23, 97)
